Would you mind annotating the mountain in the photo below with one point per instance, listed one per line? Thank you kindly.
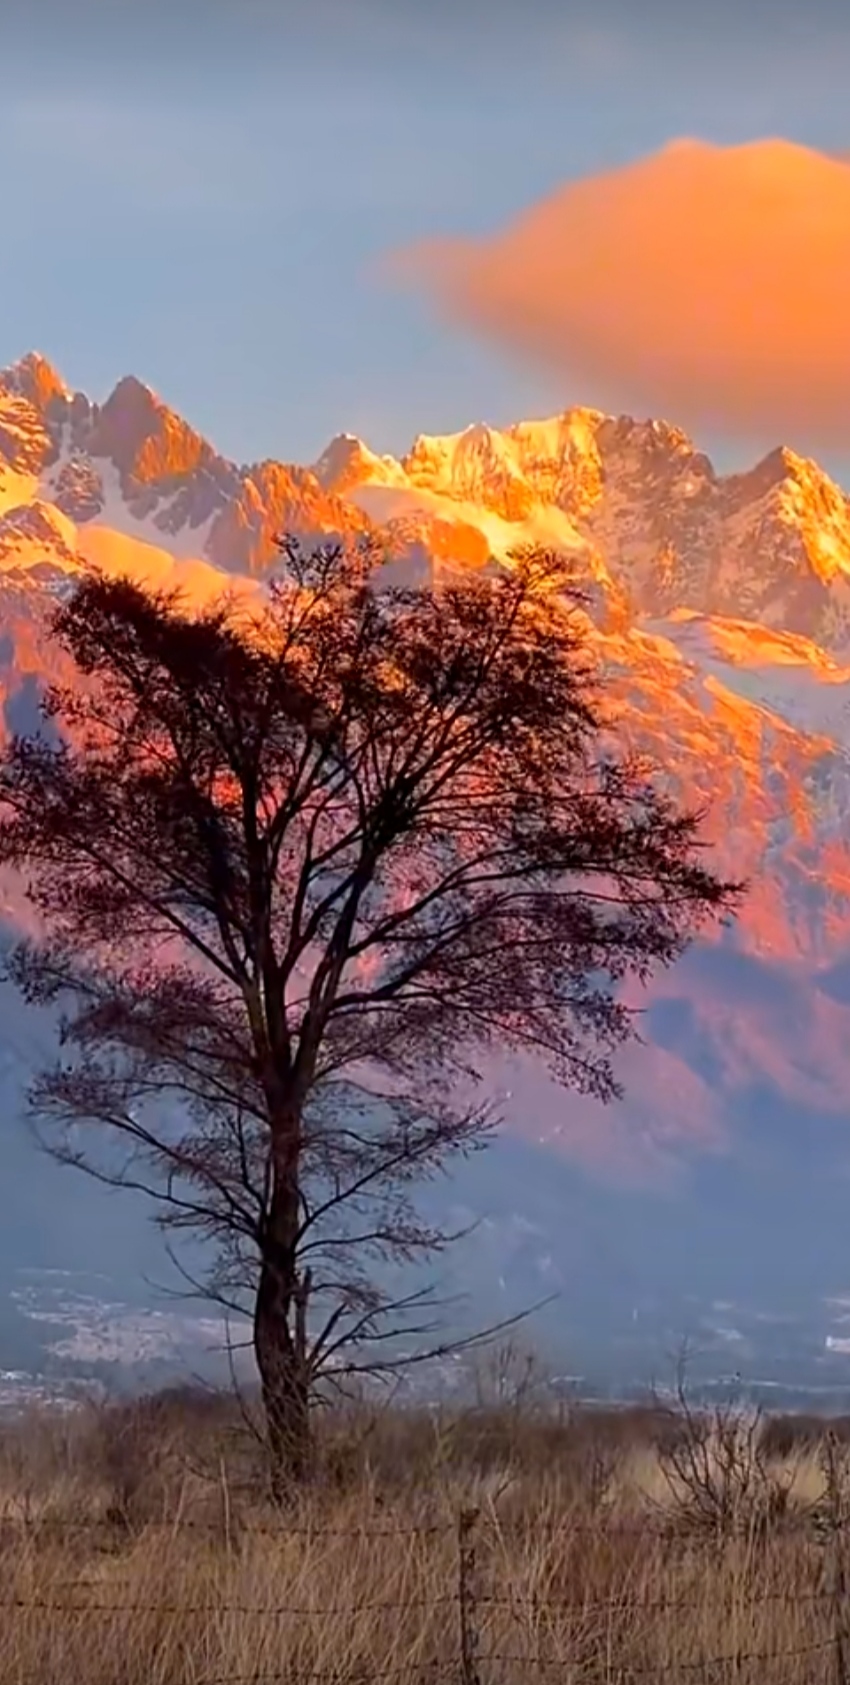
(718, 608)
(771, 545)
(133, 464)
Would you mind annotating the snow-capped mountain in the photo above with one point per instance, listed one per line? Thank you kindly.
(771, 545)
(720, 610)
(133, 465)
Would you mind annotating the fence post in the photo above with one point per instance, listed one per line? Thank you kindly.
(467, 1613)
(835, 1506)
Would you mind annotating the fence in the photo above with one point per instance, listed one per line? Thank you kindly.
(475, 1610)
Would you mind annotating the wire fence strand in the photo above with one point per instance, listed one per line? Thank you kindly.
(486, 1633)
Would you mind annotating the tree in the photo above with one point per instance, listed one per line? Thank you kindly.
(296, 868)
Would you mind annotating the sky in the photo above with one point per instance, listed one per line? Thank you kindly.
(209, 194)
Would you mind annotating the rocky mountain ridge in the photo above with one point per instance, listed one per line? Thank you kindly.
(135, 455)
(636, 501)
(771, 544)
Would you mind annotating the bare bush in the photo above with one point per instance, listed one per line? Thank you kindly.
(717, 1471)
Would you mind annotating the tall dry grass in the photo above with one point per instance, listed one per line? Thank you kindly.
(137, 1545)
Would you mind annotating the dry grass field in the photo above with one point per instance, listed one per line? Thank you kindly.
(487, 1547)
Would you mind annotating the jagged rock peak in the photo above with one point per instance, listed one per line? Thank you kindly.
(145, 438)
(35, 378)
(346, 461)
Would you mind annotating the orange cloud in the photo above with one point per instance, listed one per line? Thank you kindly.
(708, 284)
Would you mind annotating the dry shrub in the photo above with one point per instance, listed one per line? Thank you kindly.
(718, 1477)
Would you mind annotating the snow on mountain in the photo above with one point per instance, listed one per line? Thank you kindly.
(771, 545)
(780, 671)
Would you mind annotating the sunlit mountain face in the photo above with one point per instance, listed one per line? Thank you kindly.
(719, 610)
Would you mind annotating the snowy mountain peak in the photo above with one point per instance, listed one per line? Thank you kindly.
(561, 460)
(149, 443)
(783, 463)
(347, 462)
(33, 377)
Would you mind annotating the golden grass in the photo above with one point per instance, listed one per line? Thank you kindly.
(137, 1546)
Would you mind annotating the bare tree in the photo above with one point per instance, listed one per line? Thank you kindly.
(297, 870)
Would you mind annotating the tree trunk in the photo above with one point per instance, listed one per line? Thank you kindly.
(280, 1328)
(283, 1372)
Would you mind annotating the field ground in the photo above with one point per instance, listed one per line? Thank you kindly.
(487, 1547)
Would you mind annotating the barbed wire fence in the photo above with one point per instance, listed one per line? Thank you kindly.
(582, 1641)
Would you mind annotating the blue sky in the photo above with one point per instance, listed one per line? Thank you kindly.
(201, 193)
